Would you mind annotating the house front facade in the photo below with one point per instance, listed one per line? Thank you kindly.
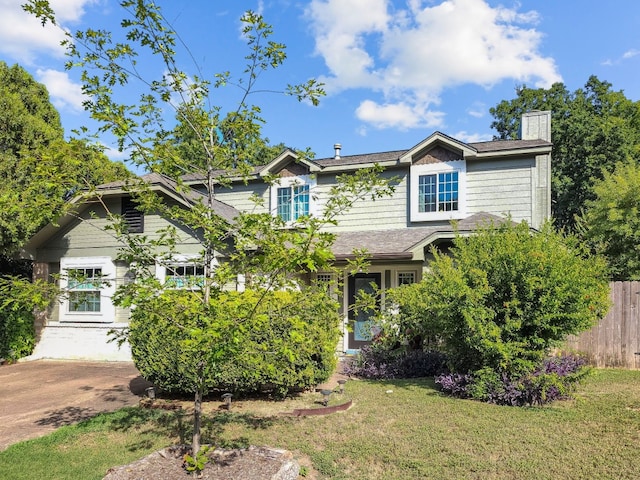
(437, 181)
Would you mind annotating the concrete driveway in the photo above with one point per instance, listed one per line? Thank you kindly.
(37, 397)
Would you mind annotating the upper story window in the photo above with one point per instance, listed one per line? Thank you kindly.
(293, 202)
(291, 197)
(437, 191)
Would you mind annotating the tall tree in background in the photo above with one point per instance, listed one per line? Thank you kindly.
(183, 151)
(611, 221)
(40, 170)
(592, 129)
(28, 120)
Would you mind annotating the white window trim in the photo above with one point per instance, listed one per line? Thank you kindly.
(398, 272)
(296, 181)
(435, 168)
(107, 311)
(178, 260)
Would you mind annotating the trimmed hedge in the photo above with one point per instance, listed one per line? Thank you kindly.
(242, 342)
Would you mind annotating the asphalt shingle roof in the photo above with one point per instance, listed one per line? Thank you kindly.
(400, 242)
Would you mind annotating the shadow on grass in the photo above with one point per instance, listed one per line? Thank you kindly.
(178, 424)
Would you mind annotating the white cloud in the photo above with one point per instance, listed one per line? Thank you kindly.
(401, 115)
(410, 55)
(477, 110)
(114, 154)
(473, 137)
(65, 94)
(625, 56)
(22, 36)
(342, 28)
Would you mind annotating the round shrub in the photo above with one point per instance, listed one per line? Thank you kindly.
(243, 342)
(501, 299)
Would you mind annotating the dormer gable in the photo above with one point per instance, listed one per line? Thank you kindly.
(438, 147)
(437, 179)
(289, 164)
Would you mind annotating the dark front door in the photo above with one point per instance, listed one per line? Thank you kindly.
(361, 324)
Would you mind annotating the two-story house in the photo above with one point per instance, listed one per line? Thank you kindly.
(438, 180)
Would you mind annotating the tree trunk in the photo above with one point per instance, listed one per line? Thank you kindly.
(197, 422)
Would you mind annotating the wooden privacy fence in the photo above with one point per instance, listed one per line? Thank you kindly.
(616, 339)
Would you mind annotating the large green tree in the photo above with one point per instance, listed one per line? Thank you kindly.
(592, 129)
(611, 221)
(40, 170)
(183, 152)
(225, 142)
(28, 120)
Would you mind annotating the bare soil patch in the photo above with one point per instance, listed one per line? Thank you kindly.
(254, 463)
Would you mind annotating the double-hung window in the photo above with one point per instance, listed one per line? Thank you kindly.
(184, 275)
(181, 272)
(84, 287)
(89, 283)
(293, 202)
(291, 197)
(437, 191)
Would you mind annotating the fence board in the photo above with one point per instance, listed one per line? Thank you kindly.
(616, 339)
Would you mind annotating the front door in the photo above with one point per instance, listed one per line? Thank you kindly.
(360, 323)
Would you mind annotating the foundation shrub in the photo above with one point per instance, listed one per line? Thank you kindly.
(277, 341)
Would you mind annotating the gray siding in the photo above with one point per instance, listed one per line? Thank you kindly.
(239, 196)
(87, 237)
(501, 188)
(122, 314)
(366, 214)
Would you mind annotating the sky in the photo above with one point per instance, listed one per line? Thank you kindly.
(394, 71)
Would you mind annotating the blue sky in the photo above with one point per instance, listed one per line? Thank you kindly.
(395, 70)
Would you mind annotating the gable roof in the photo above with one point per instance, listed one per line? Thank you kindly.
(405, 243)
(285, 158)
(160, 184)
(154, 181)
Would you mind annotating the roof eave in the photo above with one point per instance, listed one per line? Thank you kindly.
(388, 256)
(541, 150)
(358, 166)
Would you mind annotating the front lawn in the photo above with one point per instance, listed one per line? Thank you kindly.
(412, 432)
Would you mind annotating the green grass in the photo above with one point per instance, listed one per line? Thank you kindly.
(413, 432)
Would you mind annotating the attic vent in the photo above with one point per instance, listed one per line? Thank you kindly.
(337, 148)
(133, 217)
